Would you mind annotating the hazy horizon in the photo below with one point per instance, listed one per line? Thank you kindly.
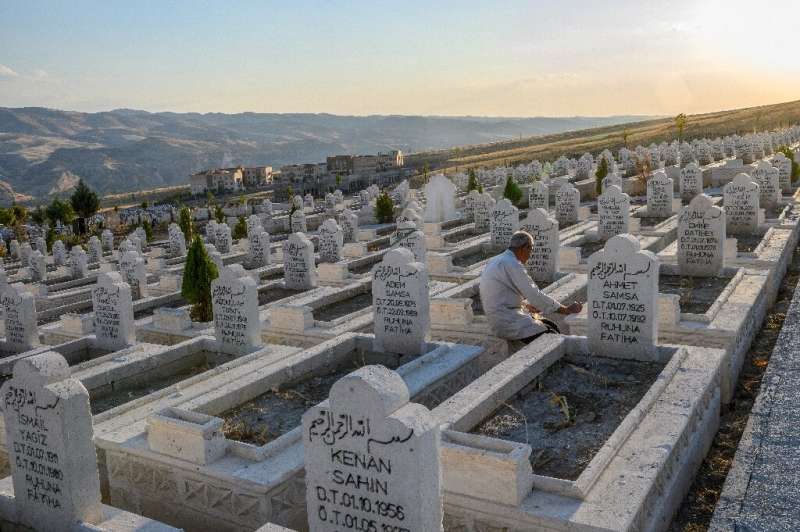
(515, 60)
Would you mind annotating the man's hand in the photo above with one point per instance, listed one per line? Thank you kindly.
(574, 308)
(530, 308)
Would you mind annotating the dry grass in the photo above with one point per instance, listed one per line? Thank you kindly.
(574, 143)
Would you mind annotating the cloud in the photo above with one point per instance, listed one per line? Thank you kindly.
(7, 73)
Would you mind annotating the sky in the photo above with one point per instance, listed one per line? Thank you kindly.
(410, 57)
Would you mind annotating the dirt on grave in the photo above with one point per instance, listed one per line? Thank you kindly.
(697, 294)
(747, 243)
(343, 308)
(473, 258)
(697, 508)
(281, 409)
(569, 412)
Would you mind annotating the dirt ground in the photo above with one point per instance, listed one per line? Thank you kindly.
(697, 294)
(569, 412)
(473, 258)
(343, 308)
(694, 514)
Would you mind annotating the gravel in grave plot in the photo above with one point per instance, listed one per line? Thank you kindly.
(568, 413)
(473, 258)
(649, 221)
(343, 308)
(277, 411)
(460, 237)
(697, 294)
(274, 294)
(590, 248)
(747, 243)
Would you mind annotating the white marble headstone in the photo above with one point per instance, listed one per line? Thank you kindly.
(258, 254)
(411, 238)
(19, 309)
(48, 430)
(613, 212)
(568, 201)
(622, 300)
(539, 196)
(659, 195)
(741, 202)
(299, 268)
(368, 430)
(504, 222)
(331, 241)
(400, 302)
(701, 238)
(113, 312)
(235, 303)
(440, 193)
(691, 182)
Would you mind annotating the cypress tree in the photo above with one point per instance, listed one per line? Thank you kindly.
(185, 223)
(198, 273)
(512, 192)
(600, 174)
(384, 209)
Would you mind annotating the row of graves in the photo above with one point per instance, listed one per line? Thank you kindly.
(349, 379)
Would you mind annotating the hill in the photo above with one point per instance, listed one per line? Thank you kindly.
(46, 151)
(575, 143)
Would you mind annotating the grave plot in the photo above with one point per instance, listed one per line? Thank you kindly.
(467, 260)
(768, 251)
(557, 437)
(257, 456)
(346, 309)
(574, 252)
(54, 482)
(114, 378)
(457, 314)
(722, 311)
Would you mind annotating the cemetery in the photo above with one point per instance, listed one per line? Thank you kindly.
(334, 367)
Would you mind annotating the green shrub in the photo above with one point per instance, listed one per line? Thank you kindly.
(384, 209)
(600, 174)
(512, 192)
(473, 183)
(787, 151)
(240, 229)
(198, 273)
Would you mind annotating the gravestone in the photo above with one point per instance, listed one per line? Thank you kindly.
(767, 177)
(330, 202)
(177, 241)
(253, 224)
(543, 262)
(330, 241)
(613, 212)
(610, 180)
(95, 254)
(59, 253)
(223, 239)
(38, 267)
(469, 205)
(297, 222)
(691, 182)
(504, 222)
(308, 201)
(622, 300)
(48, 429)
(211, 232)
(659, 195)
(214, 255)
(701, 238)
(349, 223)
(299, 269)
(237, 325)
(440, 193)
(568, 202)
(411, 238)
(135, 243)
(107, 237)
(19, 308)
(79, 262)
(25, 251)
(741, 201)
(784, 166)
(113, 312)
(40, 245)
(134, 272)
(258, 254)
(400, 302)
(484, 204)
(367, 431)
(141, 234)
(539, 196)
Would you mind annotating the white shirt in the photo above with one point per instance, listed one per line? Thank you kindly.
(504, 285)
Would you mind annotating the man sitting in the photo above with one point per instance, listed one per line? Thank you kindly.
(509, 296)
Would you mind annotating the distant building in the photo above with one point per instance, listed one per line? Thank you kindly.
(256, 176)
(217, 180)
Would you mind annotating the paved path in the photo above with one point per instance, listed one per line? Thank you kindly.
(762, 491)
